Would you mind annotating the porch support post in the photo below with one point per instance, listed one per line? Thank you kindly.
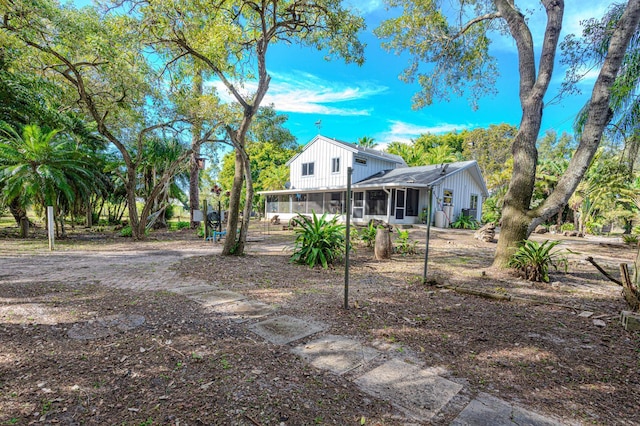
(347, 240)
(389, 199)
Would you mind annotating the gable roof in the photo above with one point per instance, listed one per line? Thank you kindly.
(356, 149)
(423, 176)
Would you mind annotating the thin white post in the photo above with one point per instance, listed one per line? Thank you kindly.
(51, 226)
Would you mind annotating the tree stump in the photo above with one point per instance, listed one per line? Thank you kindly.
(383, 247)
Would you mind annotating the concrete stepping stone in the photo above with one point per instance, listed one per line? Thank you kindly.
(243, 310)
(487, 410)
(217, 297)
(105, 326)
(285, 329)
(192, 290)
(337, 354)
(419, 393)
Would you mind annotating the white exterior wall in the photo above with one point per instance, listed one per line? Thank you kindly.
(462, 185)
(321, 155)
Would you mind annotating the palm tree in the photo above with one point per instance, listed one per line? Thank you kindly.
(43, 168)
(412, 154)
(367, 142)
(440, 154)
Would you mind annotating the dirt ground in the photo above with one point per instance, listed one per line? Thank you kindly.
(185, 365)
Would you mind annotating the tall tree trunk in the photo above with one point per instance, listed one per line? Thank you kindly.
(17, 211)
(230, 243)
(194, 169)
(515, 220)
(516, 213)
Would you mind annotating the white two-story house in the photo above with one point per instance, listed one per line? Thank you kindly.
(383, 187)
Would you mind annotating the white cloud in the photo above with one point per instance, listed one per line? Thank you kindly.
(404, 132)
(365, 6)
(308, 94)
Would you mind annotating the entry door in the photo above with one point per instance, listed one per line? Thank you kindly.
(358, 205)
(400, 203)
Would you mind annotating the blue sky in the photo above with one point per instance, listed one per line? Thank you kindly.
(352, 101)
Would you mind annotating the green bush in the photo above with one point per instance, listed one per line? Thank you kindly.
(629, 239)
(176, 226)
(405, 245)
(464, 222)
(368, 234)
(567, 226)
(319, 241)
(533, 259)
(126, 231)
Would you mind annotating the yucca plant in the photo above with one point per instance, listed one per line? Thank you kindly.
(319, 241)
(630, 239)
(533, 259)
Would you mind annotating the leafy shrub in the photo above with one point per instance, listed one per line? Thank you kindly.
(368, 234)
(629, 239)
(567, 226)
(464, 222)
(533, 259)
(405, 245)
(126, 231)
(169, 212)
(318, 240)
(179, 225)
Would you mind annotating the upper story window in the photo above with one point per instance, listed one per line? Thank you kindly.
(360, 160)
(335, 165)
(307, 169)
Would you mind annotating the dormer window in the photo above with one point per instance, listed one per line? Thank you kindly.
(360, 160)
(307, 169)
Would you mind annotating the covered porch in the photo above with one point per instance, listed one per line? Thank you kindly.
(394, 205)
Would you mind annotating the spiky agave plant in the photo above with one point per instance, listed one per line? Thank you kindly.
(318, 240)
(533, 259)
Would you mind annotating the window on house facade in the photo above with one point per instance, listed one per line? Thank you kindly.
(473, 203)
(447, 197)
(376, 203)
(335, 202)
(335, 165)
(307, 169)
(360, 160)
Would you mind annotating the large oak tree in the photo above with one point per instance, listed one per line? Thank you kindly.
(230, 40)
(455, 44)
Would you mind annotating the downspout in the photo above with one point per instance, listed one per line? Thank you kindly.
(388, 192)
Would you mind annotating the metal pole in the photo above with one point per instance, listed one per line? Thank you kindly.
(51, 227)
(348, 242)
(206, 221)
(426, 250)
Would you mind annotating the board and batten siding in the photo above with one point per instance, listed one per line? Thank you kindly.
(321, 155)
(463, 185)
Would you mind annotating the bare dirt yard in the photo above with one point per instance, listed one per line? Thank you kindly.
(91, 335)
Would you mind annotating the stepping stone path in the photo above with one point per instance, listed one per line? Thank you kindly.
(419, 393)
